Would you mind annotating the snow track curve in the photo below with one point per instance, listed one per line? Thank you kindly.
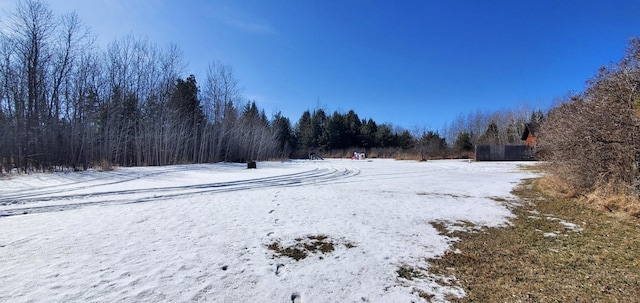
(60, 198)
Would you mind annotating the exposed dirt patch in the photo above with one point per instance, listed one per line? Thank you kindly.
(305, 246)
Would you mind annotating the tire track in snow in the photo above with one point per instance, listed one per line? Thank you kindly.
(79, 183)
(50, 195)
(20, 205)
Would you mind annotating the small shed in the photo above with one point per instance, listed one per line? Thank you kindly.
(511, 152)
(529, 134)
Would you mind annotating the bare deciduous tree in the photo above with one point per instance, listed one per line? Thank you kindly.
(592, 138)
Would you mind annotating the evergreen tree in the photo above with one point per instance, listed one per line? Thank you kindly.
(284, 134)
(318, 128)
(405, 140)
(368, 130)
(384, 136)
(336, 132)
(352, 127)
(536, 117)
(431, 144)
(463, 142)
(186, 117)
(491, 135)
(304, 132)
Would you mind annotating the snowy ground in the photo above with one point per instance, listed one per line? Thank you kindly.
(195, 233)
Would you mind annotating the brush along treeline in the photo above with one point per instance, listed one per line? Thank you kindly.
(592, 140)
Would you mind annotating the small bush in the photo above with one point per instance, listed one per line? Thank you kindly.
(105, 165)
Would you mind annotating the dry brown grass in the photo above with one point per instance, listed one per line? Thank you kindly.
(394, 153)
(461, 155)
(612, 198)
(555, 186)
(305, 246)
(542, 258)
(619, 203)
(105, 166)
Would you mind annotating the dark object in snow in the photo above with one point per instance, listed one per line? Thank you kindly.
(314, 156)
(251, 165)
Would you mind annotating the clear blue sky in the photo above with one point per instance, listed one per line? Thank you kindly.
(410, 63)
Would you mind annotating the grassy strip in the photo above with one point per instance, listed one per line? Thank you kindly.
(541, 257)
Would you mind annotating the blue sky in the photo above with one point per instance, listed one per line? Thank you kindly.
(410, 63)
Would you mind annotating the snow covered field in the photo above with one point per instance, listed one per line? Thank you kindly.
(220, 232)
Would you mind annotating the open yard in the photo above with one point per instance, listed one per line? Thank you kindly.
(297, 231)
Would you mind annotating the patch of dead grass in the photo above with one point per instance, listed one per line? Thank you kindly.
(618, 203)
(105, 165)
(518, 263)
(615, 199)
(304, 246)
(291, 252)
(409, 273)
(555, 186)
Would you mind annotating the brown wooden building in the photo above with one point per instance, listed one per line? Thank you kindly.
(529, 134)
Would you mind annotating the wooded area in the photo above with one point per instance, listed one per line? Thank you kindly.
(66, 103)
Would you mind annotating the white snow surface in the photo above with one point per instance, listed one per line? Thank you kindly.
(200, 233)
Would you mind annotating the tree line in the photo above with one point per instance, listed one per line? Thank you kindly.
(318, 130)
(344, 131)
(501, 127)
(64, 102)
(67, 103)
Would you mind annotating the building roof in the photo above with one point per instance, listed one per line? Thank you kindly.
(530, 128)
